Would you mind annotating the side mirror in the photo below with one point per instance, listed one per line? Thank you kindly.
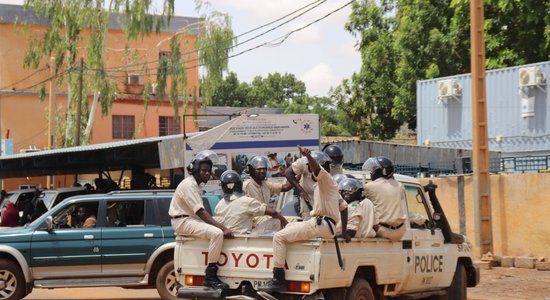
(48, 225)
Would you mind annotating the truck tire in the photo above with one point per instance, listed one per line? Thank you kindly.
(13, 287)
(360, 290)
(457, 290)
(166, 283)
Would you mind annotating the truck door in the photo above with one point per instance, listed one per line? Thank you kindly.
(70, 249)
(428, 257)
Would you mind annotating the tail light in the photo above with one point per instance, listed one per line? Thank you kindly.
(194, 280)
(298, 286)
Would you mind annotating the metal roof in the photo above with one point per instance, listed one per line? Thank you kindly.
(10, 13)
(88, 159)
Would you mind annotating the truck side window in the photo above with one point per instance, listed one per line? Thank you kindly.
(125, 213)
(418, 211)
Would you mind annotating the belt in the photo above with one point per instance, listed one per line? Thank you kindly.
(391, 227)
(330, 222)
(321, 218)
(179, 216)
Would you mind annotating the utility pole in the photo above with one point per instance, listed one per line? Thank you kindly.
(79, 109)
(51, 117)
(480, 141)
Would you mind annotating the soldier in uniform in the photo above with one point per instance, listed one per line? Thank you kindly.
(191, 219)
(388, 196)
(337, 159)
(328, 209)
(237, 211)
(361, 218)
(257, 187)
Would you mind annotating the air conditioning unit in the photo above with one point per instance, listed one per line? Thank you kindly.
(531, 76)
(135, 79)
(449, 88)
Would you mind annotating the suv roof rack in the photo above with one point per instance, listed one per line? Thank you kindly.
(158, 191)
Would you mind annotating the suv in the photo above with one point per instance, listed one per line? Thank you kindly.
(21, 198)
(131, 246)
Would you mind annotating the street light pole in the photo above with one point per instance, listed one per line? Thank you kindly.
(51, 113)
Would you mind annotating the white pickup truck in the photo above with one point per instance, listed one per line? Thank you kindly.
(429, 261)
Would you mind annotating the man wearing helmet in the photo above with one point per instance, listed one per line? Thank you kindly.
(328, 209)
(361, 217)
(257, 187)
(337, 158)
(237, 211)
(387, 195)
(191, 219)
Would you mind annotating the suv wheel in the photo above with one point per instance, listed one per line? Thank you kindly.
(166, 283)
(12, 282)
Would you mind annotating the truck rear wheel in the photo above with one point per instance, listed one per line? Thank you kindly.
(12, 281)
(360, 290)
(457, 290)
(166, 283)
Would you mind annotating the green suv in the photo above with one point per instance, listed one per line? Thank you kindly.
(130, 244)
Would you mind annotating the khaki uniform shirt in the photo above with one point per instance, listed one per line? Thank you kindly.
(262, 192)
(361, 218)
(387, 195)
(238, 213)
(327, 200)
(187, 199)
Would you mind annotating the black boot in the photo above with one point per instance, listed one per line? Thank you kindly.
(278, 284)
(211, 278)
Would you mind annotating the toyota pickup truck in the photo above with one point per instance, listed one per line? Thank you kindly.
(429, 261)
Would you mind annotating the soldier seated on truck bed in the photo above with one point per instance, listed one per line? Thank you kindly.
(237, 211)
(257, 187)
(191, 219)
(361, 217)
(328, 209)
(387, 195)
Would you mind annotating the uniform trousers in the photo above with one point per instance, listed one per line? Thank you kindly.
(296, 231)
(195, 228)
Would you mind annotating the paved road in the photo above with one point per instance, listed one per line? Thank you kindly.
(93, 294)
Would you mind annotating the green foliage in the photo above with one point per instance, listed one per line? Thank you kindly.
(422, 39)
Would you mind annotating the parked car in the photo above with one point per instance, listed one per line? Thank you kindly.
(22, 198)
(131, 246)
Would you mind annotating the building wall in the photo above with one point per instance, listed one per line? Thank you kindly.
(519, 205)
(448, 123)
(26, 116)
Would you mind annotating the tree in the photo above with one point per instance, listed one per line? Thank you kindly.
(367, 99)
(425, 39)
(231, 92)
(68, 19)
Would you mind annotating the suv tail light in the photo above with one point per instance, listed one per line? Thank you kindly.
(298, 286)
(194, 280)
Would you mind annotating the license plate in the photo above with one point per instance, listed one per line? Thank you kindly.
(259, 283)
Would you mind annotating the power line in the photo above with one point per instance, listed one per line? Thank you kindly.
(315, 4)
(271, 43)
(23, 79)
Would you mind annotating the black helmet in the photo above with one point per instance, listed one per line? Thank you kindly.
(255, 163)
(380, 166)
(231, 182)
(205, 156)
(322, 159)
(335, 153)
(338, 177)
(350, 189)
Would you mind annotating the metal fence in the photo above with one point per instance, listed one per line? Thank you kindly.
(523, 164)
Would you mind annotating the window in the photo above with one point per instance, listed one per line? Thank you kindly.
(123, 127)
(417, 206)
(169, 125)
(78, 215)
(125, 213)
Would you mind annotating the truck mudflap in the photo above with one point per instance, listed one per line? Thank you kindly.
(473, 275)
(199, 293)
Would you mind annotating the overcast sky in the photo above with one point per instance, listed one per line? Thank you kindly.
(321, 55)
